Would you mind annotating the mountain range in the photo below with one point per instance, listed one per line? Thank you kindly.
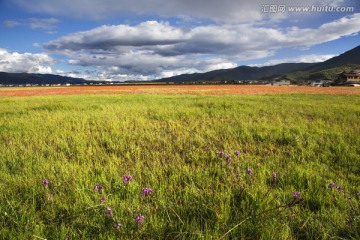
(33, 78)
(296, 72)
(292, 71)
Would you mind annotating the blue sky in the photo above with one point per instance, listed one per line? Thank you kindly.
(148, 39)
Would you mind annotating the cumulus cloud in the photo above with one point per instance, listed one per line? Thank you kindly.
(232, 39)
(160, 39)
(109, 37)
(25, 62)
(157, 49)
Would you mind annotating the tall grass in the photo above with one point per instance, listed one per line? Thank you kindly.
(170, 144)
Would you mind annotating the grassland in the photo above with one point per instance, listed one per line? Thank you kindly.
(169, 143)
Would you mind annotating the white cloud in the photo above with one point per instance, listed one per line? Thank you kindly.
(159, 38)
(345, 26)
(105, 38)
(27, 62)
(40, 69)
(237, 40)
(312, 58)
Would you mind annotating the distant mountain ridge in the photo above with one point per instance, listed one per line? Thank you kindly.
(33, 78)
(239, 73)
(349, 59)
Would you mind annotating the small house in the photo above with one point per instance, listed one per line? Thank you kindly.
(280, 82)
(321, 83)
(352, 77)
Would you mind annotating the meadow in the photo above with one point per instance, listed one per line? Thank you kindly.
(165, 166)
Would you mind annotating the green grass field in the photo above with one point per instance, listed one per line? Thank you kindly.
(169, 143)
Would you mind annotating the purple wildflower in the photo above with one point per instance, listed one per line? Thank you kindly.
(45, 182)
(118, 225)
(237, 152)
(221, 154)
(357, 194)
(249, 171)
(108, 211)
(147, 191)
(102, 199)
(296, 194)
(340, 190)
(127, 178)
(98, 187)
(139, 219)
(274, 175)
(332, 185)
(228, 158)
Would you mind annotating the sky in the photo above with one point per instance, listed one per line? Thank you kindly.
(151, 39)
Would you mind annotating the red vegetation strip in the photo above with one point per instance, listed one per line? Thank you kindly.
(176, 89)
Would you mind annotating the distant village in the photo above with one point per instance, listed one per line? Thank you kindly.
(53, 85)
(349, 78)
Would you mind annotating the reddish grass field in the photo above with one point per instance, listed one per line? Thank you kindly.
(175, 89)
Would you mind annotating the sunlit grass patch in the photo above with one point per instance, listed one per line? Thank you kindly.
(180, 167)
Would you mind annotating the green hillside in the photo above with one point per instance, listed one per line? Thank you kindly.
(33, 78)
(329, 73)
